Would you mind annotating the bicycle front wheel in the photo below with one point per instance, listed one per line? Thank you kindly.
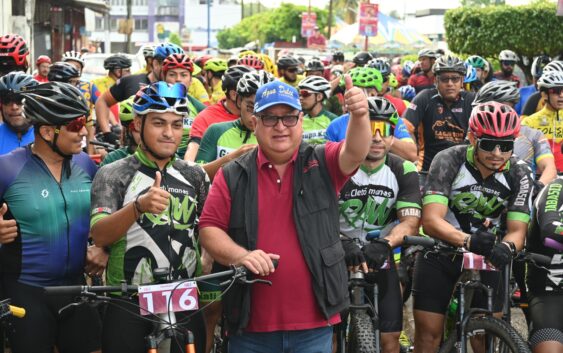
(499, 337)
(361, 336)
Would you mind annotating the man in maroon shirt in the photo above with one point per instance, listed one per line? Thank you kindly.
(317, 40)
(425, 78)
(276, 194)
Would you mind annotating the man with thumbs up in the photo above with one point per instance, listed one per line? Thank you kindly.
(279, 201)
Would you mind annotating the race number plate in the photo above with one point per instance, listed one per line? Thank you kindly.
(154, 299)
(473, 261)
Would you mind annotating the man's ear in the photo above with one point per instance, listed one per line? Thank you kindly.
(472, 139)
(47, 132)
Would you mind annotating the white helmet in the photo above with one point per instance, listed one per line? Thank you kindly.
(555, 65)
(551, 80)
(73, 55)
(316, 84)
(508, 55)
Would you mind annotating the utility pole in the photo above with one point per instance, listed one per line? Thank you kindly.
(130, 26)
(242, 9)
(208, 24)
(107, 39)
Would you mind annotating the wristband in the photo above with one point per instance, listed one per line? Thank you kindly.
(466, 241)
(137, 206)
(511, 246)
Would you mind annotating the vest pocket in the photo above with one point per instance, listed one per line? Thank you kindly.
(334, 273)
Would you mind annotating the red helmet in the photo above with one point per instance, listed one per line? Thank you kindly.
(177, 61)
(14, 46)
(201, 60)
(251, 61)
(494, 119)
(43, 59)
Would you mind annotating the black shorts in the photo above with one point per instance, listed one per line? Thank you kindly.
(434, 280)
(124, 331)
(75, 330)
(546, 311)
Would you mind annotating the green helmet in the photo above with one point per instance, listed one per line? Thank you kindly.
(367, 77)
(476, 61)
(215, 65)
(126, 114)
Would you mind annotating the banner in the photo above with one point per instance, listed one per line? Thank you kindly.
(560, 8)
(368, 19)
(308, 23)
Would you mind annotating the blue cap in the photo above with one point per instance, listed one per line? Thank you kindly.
(275, 93)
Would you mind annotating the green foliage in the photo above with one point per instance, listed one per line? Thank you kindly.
(280, 24)
(174, 38)
(481, 2)
(346, 9)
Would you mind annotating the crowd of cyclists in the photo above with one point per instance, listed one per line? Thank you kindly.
(109, 178)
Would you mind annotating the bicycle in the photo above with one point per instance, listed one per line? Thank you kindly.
(473, 322)
(180, 295)
(6, 311)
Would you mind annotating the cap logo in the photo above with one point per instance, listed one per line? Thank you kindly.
(267, 93)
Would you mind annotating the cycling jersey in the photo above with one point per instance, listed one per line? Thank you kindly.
(197, 90)
(314, 128)
(52, 218)
(333, 104)
(499, 75)
(454, 180)
(127, 86)
(531, 146)
(223, 138)
(216, 113)
(534, 104)
(40, 79)
(420, 81)
(370, 199)
(84, 87)
(293, 84)
(336, 130)
(216, 92)
(164, 240)
(550, 123)
(435, 125)
(97, 87)
(116, 155)
(194, 108)
(9, 140)
(525, 94)
(547, 223)
(398, 103)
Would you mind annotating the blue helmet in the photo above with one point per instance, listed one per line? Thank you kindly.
(15, 81)
(407, 92)
(407, 68)
(163, 50)
(470, 74)
(161, 97)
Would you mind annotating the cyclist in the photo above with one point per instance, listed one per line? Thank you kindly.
(288, 68)
(144, 208)
(64, 72)
(548, 119)
(213, 71)
(252, 61)
(148, 53)
(407, 93)
(525, 92)
(458, 176)
(15, 51)
(127, 87)
(361, 59)
(470, 82)
(314, 68)
(42, 63)
(75, 59)
(225, 110)
(383, 195)
(481, 68)
(405, 73)
(536, 101)
(544, 284)
(130, 138)
(507, 59)
(313, 92)
(438, 117)
(389, 83)
(337, 58)
(425, 78)
(48, 246)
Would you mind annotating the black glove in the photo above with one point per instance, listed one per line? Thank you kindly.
(500, 256)
(353, 254)
(110, 137)
(376, 253)
(481, 243)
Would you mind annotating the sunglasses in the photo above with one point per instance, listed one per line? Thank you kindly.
(384, 128)
(76, 125)
(489, 145)
(292, 70)
(453, 79)
(11, 98)
(272, 120)
(508, 62)
(555, 90)
(305, 94)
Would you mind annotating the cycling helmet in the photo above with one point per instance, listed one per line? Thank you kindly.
(15, 82)
(43, 59)
(232, 61)
(407, 68)
(337, 70)
(73, 56)
(251, 81)
(117, 61)
(314, 65)
(287, 61)
(498, 91)
(381, 109)
(316, 84)
(233, 75)
(14, 50)
(268, 63)
(251, 60)
(429, 53)
(215, 65)
(539, 64)
(508, 55)
(407, 92)
(161, 97)
(126, 113)
(338, 56)
(381, 65)
(494, 119)
(366, 77)
(470, 74)
(177, 61)
(449, 63)
(148, 50)
(54, 103)
(62, 72)
(477, 62)
(555, 65)
(551, 80)
(246, 52)
(163, 50)
(393, 82)
(201, 60)
(362, 58)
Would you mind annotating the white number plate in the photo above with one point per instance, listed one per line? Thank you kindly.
(161, 298)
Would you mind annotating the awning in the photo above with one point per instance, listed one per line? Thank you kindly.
(99, 6)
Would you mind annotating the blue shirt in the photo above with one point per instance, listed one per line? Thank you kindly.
(9, 140)
(336, 130)
(525, 93)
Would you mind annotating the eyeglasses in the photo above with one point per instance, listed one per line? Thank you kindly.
(272, 120)
(453, 79)
(489, 145)
(76, 125)
(305, 94)
(11, 98)
(292, 70)
(555, 90)
(385, 129)
(507, 62)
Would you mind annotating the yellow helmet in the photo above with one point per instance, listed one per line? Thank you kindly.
(268, 64)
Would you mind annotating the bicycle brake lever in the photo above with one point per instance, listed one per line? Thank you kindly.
(258, 280)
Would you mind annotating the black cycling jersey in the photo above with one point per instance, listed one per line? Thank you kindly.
(531, 105)
(128, 86)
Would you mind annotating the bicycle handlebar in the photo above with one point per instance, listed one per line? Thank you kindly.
(418, 240)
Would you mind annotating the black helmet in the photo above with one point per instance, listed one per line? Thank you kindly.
(338, 56)
(381, 109)
(62, 72)
(287, 61)
(538, 64)
(14, 82)
(117, 61)
(233, 75)
(314, 65)
(381, 65)
(362, 58)
(54, 103)
(449, 63)
(498, 91)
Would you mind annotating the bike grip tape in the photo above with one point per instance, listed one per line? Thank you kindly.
(17, 311)
(541, 259)
(275, 262)
(419, 240)
(63, 290)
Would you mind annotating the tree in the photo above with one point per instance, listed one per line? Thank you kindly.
(346, 9)
(481, 2)
(174, 38)
(528, 30)
(273, 25)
